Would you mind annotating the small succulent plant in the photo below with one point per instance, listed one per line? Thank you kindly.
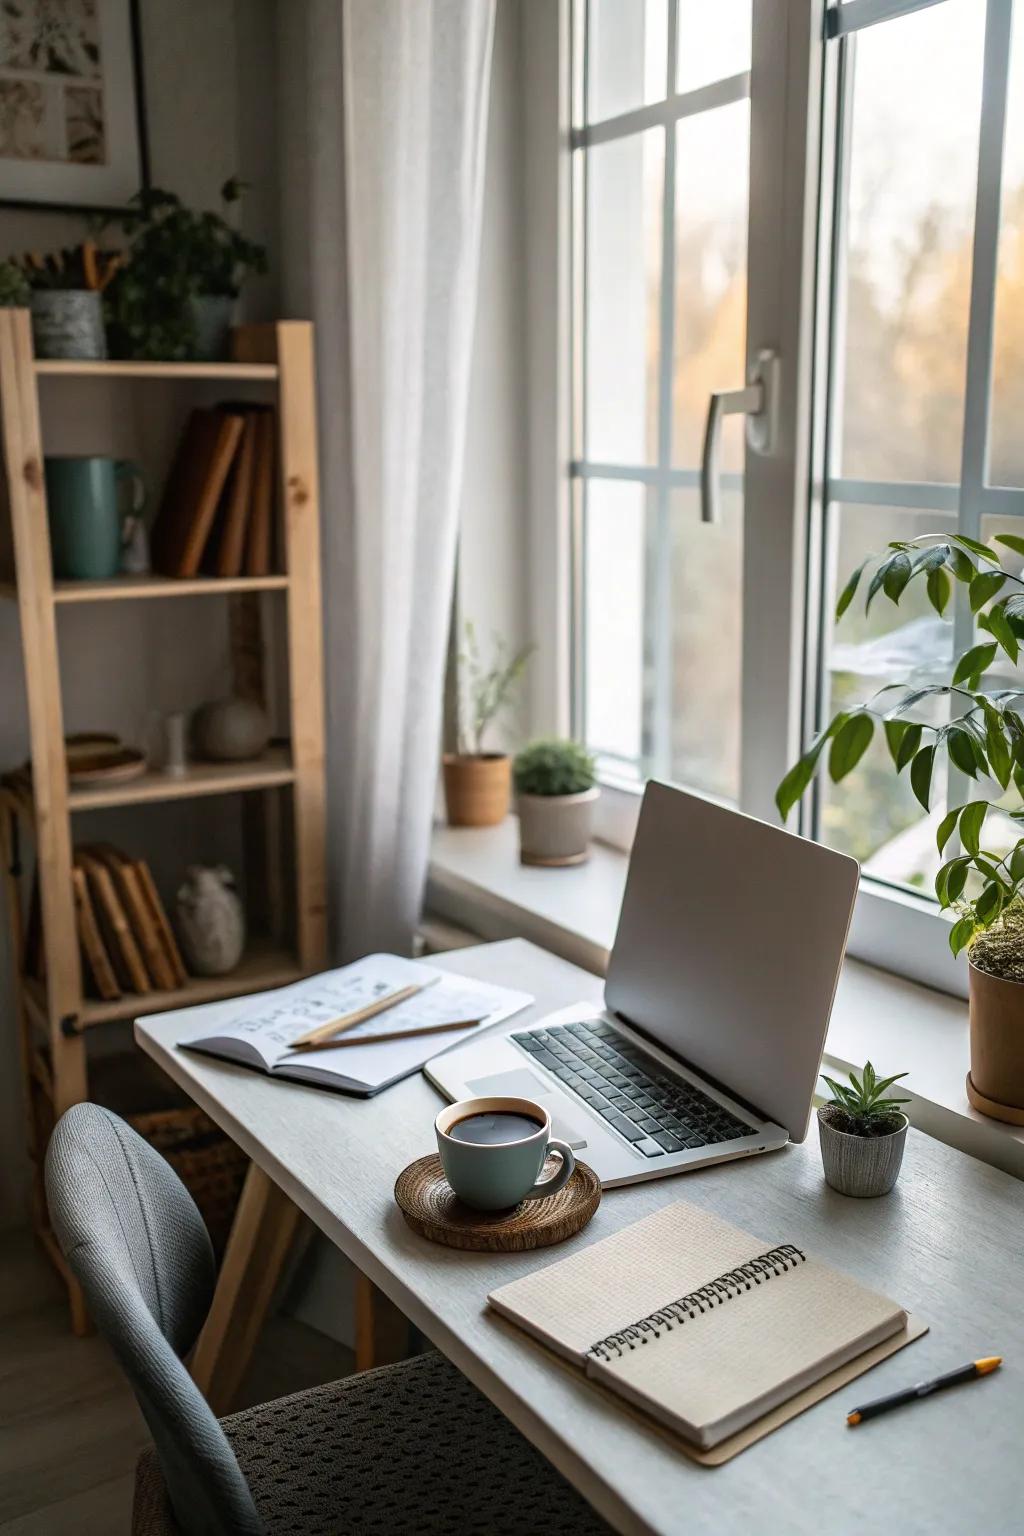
(862, 1108)
(553, 767)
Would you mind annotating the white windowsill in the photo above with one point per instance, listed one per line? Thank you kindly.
(477, 881)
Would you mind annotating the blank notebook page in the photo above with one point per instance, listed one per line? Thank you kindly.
(606, 1286)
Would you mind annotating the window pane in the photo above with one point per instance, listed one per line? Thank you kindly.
(1006, 453)
(711, 47)
(707, 569)
(913, 169)
(627, 44)
(622, 298)
(712, 161)
(615, 533)
(872, 813)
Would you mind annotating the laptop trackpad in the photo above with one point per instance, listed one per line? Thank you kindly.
(524, 1084)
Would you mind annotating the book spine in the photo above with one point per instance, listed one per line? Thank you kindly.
(726, 1287)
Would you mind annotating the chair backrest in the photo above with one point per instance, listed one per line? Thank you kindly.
(134, 1239)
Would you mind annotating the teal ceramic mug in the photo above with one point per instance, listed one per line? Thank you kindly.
(86, 510)
(504, 1166)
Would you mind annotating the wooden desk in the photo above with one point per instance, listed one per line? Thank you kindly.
(947, 1243)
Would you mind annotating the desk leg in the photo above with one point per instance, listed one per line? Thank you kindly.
(261, 1236)
(382, 1331)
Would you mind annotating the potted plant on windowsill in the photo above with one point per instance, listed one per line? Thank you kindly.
(176, 296)
(476, 781)
(862, 1134)
(981, 878)
(555, 795)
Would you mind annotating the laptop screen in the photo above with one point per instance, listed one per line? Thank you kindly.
(728, 949)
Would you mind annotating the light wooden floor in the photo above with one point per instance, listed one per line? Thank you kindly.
(70, 1432)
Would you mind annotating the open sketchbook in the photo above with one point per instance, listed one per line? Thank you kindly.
(699, 1324)
(258, 1031)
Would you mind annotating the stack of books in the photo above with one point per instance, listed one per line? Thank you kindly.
(126, 941)
(217, 512)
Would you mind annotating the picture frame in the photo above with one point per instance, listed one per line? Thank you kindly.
(72, 105)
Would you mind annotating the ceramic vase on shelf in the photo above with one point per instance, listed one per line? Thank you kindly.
(210, 920)
(230, 730)
(212, 314)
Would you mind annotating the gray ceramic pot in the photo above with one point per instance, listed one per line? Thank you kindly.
(555, 829)
(211, 319)
(861, 1165)
(68, 323)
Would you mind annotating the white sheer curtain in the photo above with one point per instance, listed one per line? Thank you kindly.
(384, 172)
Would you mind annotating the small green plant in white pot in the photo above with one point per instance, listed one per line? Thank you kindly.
(555, 796)
(862, 1134)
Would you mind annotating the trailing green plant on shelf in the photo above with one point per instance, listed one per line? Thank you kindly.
(553, 767)
(862, 1109)
(984, 737)
(176, 254)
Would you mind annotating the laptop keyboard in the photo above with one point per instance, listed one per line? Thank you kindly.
(654, 1111)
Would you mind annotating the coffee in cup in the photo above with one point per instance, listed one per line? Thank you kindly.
(493, 1151)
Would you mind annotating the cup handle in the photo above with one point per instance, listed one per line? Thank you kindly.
(127, 469)
(561, 1176)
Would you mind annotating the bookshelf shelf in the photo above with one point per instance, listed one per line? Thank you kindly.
(131, 588)
(199, 779)
(262, 967)
(238, 373)
(282, 836)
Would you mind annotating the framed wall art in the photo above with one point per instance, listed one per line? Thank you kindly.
(72, 125)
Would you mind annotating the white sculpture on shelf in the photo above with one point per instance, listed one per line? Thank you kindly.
(211, 922)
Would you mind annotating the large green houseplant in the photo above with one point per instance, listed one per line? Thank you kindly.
(980, 880)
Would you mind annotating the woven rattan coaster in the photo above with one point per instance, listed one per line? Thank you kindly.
(432, 1209)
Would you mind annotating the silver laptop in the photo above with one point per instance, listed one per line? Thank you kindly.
(717, 999)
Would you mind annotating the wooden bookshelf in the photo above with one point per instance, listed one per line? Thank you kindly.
(55, 1018)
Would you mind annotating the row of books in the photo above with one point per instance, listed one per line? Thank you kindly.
(124, 936)
(217, 511)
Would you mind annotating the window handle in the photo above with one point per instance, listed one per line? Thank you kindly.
(758, 402)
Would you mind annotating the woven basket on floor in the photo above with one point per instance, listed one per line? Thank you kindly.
(208, 1163)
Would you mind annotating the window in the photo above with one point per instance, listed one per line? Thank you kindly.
(916, 440)
(661, 150)
(879, 247)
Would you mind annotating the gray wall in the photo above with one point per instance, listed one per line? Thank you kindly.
(211, 99)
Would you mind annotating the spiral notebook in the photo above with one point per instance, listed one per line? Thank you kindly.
(703, 1326)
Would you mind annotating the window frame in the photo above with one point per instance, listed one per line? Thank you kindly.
(805, 44)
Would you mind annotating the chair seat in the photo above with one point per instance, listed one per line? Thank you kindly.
(407, 1449)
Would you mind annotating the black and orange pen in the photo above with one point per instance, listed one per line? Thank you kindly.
(924, 1389)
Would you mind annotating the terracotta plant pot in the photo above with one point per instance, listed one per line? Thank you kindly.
(555, 830)
(862, 1166)
(995, 1083)
(476, 789)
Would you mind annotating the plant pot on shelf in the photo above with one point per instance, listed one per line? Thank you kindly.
(995, 1083)
(68, 323)
(476, 789)
(555, 830)
(212, 314)
(862, 1166)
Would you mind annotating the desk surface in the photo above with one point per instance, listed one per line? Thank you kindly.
(947, 1244)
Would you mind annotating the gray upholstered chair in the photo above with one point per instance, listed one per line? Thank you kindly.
(407, 1449)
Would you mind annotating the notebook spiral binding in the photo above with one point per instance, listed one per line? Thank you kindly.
(777, 1261)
